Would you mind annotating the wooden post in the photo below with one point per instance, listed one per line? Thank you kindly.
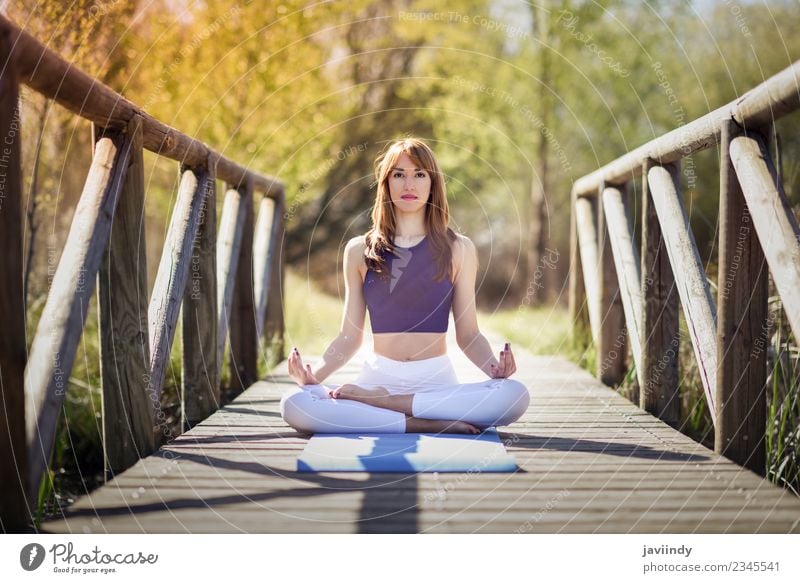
(15, 515)
(586, 227)
(742, 327)
(276, 323)
(660, 330)
(243, 337)
(612, 337)
(626, 265)
(698, 307)
(201, 369)
(264, 246)
(173, 273)
(122, 301)
(578, 300)
(773, 220)
(61, 324)
(229, 242)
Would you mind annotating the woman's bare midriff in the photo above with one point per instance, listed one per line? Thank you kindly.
(410, 345)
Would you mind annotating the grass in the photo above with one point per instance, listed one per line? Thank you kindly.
(783, 407)
(313, 318)
(544, 330)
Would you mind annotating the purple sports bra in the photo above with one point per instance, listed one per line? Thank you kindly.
(406, 298)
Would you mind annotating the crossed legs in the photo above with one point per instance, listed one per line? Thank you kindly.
(461, 408)
(381, 397)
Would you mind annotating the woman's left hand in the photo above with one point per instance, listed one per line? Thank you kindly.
(508, 365)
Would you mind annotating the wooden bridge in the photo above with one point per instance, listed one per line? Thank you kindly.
(589, 460)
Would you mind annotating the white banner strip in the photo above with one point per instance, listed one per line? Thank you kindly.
(399, 558)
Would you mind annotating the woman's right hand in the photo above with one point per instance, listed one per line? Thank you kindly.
(300, 374)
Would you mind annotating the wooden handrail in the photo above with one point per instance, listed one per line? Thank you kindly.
(45, 71)
(135, 338)
(729, 350)
(767, 102)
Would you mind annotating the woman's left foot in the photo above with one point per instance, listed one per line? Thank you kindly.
(357, 393)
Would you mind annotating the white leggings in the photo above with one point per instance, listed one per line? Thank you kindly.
(437, 395)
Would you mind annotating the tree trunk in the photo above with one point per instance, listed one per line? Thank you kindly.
(538, 277)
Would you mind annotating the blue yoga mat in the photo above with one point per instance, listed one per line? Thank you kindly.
(406, 452)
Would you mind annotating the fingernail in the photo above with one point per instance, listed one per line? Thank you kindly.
(508, 345)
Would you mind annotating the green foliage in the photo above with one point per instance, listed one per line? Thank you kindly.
(312, 317)
(783, 405)
(545, 330)
(250, 79)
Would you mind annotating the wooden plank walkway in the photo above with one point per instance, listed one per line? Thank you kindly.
(590, 461)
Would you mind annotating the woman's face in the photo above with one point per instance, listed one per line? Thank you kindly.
(409, 186)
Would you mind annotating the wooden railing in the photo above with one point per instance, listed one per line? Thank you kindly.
(632, 297)
(221, 284)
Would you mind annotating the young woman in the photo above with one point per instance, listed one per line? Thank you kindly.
(410, 269)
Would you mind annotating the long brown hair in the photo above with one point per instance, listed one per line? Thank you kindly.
(437, 214)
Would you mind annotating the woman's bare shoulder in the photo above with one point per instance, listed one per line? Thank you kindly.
(358, 242)
(354, 251)
(463, 247)
(461, 244)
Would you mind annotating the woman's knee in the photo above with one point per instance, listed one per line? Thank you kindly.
(295, 410)
(513, 400)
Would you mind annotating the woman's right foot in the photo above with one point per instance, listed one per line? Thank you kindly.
(460, 427)
(415, 425)
(356, 393)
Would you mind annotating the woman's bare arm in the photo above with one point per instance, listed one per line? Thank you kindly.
(351, 332)
(469, 337)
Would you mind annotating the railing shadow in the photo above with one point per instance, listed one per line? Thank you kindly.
(397, 512)
(565, 444)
